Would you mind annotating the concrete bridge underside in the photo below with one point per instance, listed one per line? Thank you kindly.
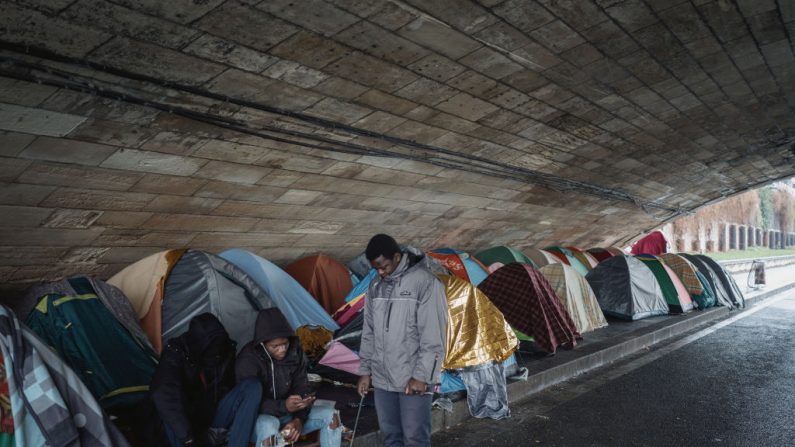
(292, 127)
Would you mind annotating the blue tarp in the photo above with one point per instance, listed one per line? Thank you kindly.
(297, 305)
(452, 382)
(361, 287)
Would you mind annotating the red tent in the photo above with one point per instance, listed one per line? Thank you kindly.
(325, 278)
(652, 244)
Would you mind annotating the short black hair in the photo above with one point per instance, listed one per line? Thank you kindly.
(381, 245)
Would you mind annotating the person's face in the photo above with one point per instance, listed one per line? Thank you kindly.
(277, 347)
(385, 266)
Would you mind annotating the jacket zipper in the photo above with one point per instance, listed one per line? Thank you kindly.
(388, 316)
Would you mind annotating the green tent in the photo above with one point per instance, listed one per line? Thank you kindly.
(666, 283)
(707, 297)
(502, 254)
(113, 363)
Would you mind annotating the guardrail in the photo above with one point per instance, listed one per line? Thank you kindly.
(744, 265)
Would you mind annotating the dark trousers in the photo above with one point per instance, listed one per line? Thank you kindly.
(236, 412)
(405, 420)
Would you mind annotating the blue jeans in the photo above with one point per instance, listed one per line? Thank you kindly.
(405, 420)
(236, 412)
(320, 417)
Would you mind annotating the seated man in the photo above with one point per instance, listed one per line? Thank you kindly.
(194, 389)
(275, 358)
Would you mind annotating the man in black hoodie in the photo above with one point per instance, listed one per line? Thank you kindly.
(194, 389)
(275, 358)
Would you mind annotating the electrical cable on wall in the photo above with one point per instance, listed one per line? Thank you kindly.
(35, 71)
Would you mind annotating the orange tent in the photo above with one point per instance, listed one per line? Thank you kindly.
(325, 278)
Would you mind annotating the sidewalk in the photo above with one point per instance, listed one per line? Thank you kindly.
(598, 348)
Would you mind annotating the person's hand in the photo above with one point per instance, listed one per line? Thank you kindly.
(295, 403)
(292, 430)
(308, 401)
(416, 387)
(363, 386)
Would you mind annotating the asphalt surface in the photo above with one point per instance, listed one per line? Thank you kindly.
(730, 385)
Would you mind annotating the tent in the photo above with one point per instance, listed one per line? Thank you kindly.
(626, 288)
(653, 243)
(685, 271)
(49, 403)
(600, 254)
(144, 283)
(541, 258)
(707, 297)
(199, 282)
(297, 305)
(722, 297)
(674, 292)
(502, 254)
(529, 304)
(112, 362)
(567, 257)
(460, 264)
(325, 278)
(584, 257)
(576, 295)
(112, 297)
(616, 251)
(727, 280)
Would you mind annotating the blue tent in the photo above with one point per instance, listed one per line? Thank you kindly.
(360, 288)
(297, 305)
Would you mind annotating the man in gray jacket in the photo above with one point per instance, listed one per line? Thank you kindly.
(403, 342)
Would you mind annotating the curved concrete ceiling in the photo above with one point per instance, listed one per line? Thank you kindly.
(291, 127)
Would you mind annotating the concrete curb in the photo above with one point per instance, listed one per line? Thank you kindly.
(539, 381)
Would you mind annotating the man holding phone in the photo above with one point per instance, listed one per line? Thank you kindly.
(403, 342)
(275, 358)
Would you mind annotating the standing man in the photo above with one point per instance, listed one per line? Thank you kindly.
(403, 342)
(194, 389)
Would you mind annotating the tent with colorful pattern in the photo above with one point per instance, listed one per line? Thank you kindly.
(685, 271)
(576, 295)
(530, 305)
(460, 264)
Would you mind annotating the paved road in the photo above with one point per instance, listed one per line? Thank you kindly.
(730, 385)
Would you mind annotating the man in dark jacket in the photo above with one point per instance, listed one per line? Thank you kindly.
(194, 388)
(275, 359)
(403, 342)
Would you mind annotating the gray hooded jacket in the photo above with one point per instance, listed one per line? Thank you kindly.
(405, 327)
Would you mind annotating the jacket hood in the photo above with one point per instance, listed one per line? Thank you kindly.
(408, 260)
(271, 324)
(203, 331)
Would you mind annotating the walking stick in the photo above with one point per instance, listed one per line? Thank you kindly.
(356, 423)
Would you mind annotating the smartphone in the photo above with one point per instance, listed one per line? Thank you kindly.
(308, 395)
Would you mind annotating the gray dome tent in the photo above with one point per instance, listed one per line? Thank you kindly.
(626, 288)
(203, 282)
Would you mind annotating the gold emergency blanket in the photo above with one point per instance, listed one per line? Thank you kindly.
(477, 332)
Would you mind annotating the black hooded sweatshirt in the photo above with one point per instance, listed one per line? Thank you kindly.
(280, 378)
(196, 370)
